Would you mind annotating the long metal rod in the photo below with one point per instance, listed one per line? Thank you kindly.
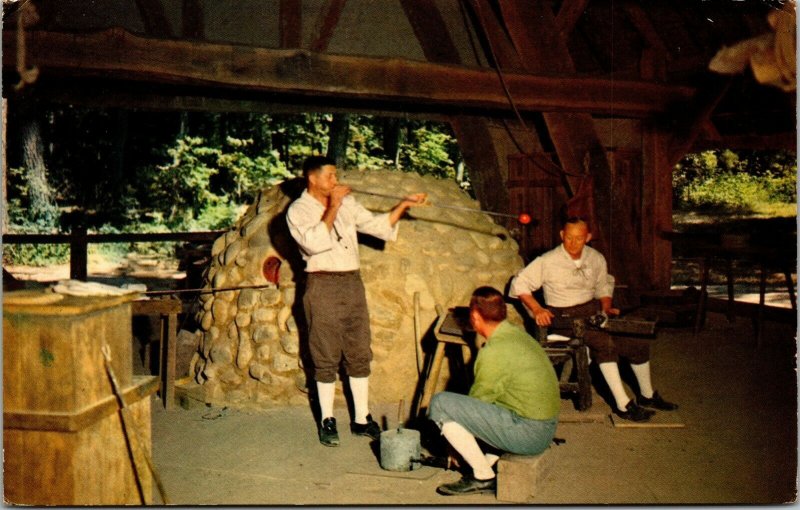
(204, 291)
(429, 204)
(129, 430)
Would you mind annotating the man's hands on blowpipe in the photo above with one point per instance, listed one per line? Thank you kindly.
(414, 200)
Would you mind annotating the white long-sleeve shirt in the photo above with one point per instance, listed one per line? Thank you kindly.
(564, 281)
(337, 249)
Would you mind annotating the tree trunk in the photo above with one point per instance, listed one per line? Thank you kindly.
(118, 178)
(391, 139)
(339, 135)
(42, 205)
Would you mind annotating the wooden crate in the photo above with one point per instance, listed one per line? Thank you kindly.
(62, 432)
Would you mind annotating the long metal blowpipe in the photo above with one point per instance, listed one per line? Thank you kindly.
(522, 218)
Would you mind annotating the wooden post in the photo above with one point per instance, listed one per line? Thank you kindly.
(656, 207)
(787, 273)
(4, 162)
(168, 322)
(762, 291)
(700, 316)
(78, 254)
(729, 278)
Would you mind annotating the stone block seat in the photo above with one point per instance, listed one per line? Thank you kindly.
(520, 476)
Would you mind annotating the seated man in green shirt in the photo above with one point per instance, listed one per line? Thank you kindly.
(512, 405)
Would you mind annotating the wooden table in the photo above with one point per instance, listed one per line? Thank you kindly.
(764, 258)
(450, 328)
(168, 309)
(453, 327)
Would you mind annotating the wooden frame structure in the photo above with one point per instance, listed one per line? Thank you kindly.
(613, 92)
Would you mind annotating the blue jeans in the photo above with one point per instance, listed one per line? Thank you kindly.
(500, 427)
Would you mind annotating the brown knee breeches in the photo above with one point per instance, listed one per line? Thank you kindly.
(604, 347)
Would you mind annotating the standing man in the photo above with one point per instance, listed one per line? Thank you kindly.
(512, 405)
(324, 221)
(576, 283)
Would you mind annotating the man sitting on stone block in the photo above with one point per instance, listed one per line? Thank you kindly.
(512, 405)
(576, 283)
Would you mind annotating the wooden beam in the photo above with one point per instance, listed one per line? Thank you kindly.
(291, 23)
(568, 16)
(573, 134)
(92, 94)
(326, 25)
(431, 31)
(493, 34)
(775, 141)
(691, 124)
(154, 18)
(192, 22)
(656, 207)
(4, 162)
(473, 134)
(641, 22)
(653, 62)
(117, 54)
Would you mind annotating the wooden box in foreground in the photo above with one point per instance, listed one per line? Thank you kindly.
(63, 437)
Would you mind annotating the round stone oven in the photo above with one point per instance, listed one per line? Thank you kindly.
(254, 348)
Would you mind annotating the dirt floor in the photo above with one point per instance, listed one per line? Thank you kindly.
(733, 440)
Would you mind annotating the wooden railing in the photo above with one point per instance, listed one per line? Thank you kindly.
(79, 241)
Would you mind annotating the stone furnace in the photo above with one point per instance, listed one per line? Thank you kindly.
(253, 349)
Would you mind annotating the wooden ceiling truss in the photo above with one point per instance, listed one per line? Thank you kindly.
(559, 73)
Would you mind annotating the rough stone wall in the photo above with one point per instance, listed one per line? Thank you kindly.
(254, 349)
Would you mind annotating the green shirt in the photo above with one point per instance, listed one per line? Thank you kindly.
(513, 371)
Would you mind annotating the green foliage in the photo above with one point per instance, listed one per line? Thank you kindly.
(182, 187)
(365, 151)
(427, 153)
(249, 174)
(734, 181)
(35, 254)
(141, 171)
(21, 221)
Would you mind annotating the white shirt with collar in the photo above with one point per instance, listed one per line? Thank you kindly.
(564, 281)
(335, 250)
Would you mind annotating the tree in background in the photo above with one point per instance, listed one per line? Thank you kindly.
(143, 171)
(736, 181)
(41, 205)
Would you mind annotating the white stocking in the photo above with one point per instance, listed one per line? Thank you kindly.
(325, 392)
(360, 388)
(610, 371)
(466, 445)
(642, 373)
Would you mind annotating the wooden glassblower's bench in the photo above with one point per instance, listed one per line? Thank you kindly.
(453, 327)
(63, 437)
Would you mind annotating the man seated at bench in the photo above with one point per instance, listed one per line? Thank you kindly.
(575, 283)
(513, 402)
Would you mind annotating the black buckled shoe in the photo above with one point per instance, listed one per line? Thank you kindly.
(327, 432)
(468, 485)
(656, 402)
(369, 429)
(633, 412)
